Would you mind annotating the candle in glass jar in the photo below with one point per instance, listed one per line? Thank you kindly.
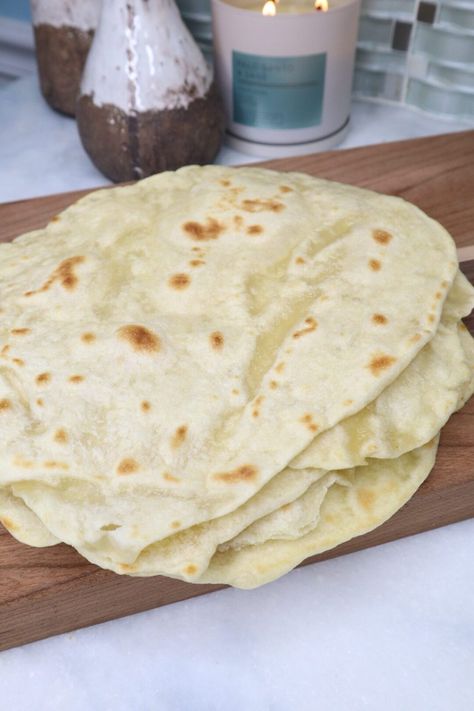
(286, 79)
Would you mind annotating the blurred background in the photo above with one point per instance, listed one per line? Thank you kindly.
(414, 52)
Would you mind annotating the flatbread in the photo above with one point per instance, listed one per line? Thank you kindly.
(171, 346)
(412, 409)
(375, 493)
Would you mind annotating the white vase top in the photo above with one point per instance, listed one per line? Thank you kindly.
(144, 58)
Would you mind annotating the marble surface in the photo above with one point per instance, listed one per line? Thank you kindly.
(389, 628)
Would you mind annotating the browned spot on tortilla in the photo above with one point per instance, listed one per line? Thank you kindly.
(280, 367)
(61, 436)
(285, 189)
(381, 236)
(191, 569)
(438, 295)
(179, 281)
(64, 274)
(379, 319)
(380, 363)
(196, 262)
(431, 318)
(375, 265)
(348, 402)
(88, 337)
(5, 404)
(179, 436)
(235, 391)
(127, 466)
(40, 402)
(300, 260)
(246, 472)
(23, 463)
(258, 205)
(415, 338)
(127, 567)
(141, 339)
(8, 523)
(444, 284)
(273, 384)
(18, 361)
(254, 230)
(43, 378)
(53, 464)
(56, 218)
(20, 331)
(202, 233)
(463, 326)
(217, 340)
(175, 524)
(311, 325)
(146, 406)
(5, 349)
(169, 477)
(76, 378)
(238, 221)
(226, 183)
(307, 420)
(366, 498)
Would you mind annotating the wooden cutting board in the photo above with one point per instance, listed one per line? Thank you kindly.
(52, 590)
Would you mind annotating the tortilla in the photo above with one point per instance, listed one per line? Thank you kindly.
(375, 493)
(172, 346)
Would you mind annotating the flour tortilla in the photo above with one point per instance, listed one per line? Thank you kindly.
(22, 523)
(194, 546)
(294, 520)
(437, 382)
(290, 517)
(287, 275)
(412, 410)
(375, 493)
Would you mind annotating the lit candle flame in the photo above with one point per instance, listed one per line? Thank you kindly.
(321, 5)
(269, 9)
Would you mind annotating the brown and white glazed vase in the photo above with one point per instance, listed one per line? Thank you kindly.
(148, 102)
(63, 31)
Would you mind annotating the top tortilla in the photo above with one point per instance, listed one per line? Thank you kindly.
(173, 345)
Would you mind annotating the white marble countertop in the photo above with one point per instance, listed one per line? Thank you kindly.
(389, 628)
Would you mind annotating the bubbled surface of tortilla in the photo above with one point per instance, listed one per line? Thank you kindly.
(171, 346)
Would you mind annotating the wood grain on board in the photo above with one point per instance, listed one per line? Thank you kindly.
(51, 590)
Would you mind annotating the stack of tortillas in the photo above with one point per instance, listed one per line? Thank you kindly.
(215, 373)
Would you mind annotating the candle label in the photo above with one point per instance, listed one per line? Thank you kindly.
(278, 92)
